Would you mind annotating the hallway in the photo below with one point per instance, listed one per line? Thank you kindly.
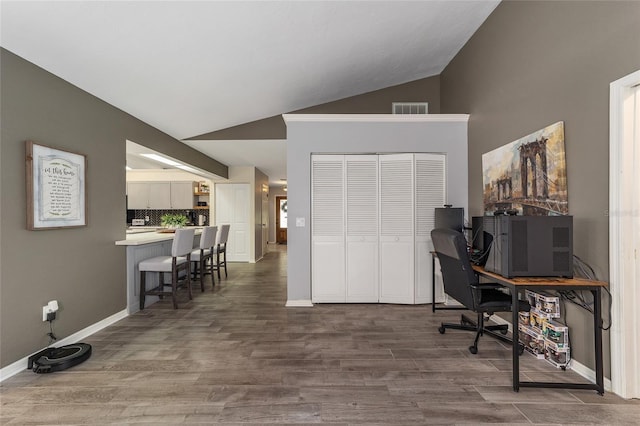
(236, 355)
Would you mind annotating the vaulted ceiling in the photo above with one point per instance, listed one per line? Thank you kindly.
(193, 67)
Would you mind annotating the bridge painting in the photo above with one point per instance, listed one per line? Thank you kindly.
(528, 175)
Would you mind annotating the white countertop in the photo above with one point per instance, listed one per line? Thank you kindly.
(140, 237)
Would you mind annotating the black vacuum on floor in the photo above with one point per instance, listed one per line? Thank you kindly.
(56, 359)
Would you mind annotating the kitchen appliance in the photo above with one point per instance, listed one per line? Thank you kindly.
(202, 220)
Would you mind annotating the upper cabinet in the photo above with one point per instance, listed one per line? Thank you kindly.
(160, 195)
(182, 195)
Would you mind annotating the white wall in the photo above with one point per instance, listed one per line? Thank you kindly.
(361, 134)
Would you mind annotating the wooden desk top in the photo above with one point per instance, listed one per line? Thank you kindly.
(540, 281)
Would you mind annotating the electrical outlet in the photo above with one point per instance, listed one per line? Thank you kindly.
(146, 219)
(49, 311)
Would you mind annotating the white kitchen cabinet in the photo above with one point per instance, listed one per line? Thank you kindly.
(137, 195)
(182, 195)
(148, 195)
(160, 195)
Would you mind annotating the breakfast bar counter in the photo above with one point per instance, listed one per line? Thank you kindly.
(144, 244)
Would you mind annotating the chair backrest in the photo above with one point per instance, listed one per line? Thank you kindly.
(224, 234)
(457, 273)
(208, 237)
(182, 242)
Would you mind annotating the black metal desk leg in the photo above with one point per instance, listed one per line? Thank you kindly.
(515, 339)
(433, 283)
(597, 333)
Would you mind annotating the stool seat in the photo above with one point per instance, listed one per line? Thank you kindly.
(196, 255)
(161, 263)
(180, 259)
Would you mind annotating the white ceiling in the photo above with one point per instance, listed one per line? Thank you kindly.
(193, 67)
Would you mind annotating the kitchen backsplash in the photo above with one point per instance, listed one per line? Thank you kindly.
(155, 215)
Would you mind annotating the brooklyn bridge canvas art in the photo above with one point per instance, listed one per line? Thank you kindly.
(528, 176)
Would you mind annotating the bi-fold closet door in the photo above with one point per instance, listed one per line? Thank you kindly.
(371, 221)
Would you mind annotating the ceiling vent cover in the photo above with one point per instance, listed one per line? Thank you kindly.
(410, 108)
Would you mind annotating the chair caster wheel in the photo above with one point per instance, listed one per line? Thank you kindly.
(520, 350)
(473, 349)
(441, 329)
(504, 332)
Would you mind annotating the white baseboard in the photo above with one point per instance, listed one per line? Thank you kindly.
(304, 303)
(21, 365)
(574, 365)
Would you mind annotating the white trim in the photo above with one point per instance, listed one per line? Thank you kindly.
(624, 321)
(376, 118)
(303, 303)
(574, 365)
(21, 365)
(588, 373)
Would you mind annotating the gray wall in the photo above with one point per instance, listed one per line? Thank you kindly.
(318, 137)
(532, 64)
(376, 102)
(81, 267)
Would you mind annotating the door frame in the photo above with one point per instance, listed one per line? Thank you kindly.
(278, 229)
(623, 242)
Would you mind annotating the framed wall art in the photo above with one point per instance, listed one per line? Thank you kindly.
(56, 188)
(528, 176)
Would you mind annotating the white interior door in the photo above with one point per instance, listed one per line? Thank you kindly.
(397, 251)
(327, 229)
(362, 228)
(233, 207)
(430, 192)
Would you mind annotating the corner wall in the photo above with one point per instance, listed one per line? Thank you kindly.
(532, 64)
(80, 267)
(360, 134)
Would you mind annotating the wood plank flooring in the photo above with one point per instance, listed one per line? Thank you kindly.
(236, 355)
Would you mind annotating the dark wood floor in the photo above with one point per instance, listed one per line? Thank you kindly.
(236, 355)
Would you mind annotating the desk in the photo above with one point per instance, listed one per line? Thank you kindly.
(515, 285)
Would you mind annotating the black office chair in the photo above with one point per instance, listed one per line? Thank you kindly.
(461, 283)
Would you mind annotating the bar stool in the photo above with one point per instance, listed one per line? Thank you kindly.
(202, 258)
(179, 260)
(221, 250)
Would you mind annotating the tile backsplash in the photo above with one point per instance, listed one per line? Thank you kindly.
(155, 215)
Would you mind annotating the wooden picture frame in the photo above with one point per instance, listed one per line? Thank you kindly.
(56, 188)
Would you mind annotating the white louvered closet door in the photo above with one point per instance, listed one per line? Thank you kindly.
(327, 229)
(430, 192)
(396, 228)
(362, 228)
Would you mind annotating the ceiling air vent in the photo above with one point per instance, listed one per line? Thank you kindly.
(409, 108)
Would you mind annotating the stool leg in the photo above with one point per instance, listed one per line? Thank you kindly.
(189, 281)
(142, 289)
(161, 284)
(202, 273)
(174, 286)
(224, 253)
(218, 263)
(213, 280)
